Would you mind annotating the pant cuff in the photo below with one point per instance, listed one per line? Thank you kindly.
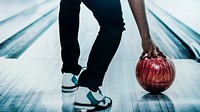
(71, 69)
(87, 81)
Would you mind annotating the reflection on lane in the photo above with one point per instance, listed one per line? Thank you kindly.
(68, 102)
(155, 103)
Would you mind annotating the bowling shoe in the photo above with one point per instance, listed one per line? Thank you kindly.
(70, 81)
(86, 99)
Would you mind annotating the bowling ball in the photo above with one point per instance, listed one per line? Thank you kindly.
(155, 75)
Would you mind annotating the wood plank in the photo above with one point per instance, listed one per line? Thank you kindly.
(42, 92)
(32, 82)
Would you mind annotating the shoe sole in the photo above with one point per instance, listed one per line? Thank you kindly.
(90, 107)
(82, 108)
(69, 89)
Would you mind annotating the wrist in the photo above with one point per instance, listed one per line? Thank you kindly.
(146, 37)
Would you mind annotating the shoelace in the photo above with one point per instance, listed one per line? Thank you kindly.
(100, 91)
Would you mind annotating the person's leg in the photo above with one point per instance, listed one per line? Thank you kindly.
(109, 16)
(68, 28)
(70, 51)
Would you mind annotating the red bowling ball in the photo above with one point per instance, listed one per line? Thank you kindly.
(155, 74)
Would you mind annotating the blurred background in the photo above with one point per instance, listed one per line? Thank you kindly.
(174, 26)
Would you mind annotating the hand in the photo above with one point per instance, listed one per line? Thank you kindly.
(150, 49)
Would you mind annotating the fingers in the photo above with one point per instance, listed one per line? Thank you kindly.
(149, 54)
(161, 53)
(143, 55)
(146, 55)
(152, 53)
(155, 53)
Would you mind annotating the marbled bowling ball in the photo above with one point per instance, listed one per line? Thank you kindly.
(155, 75)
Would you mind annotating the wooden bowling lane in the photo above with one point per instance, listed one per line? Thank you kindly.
(18, 22)
(33, 81)
(45, 47)
(13, 8)
(34, 85)
(183, 32)
(15, 45)
(187, 13)
(166, 40)
(18, 39)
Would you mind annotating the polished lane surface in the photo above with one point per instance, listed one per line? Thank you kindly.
(32, 82)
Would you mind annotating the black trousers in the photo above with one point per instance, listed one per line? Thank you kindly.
(109, 16)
